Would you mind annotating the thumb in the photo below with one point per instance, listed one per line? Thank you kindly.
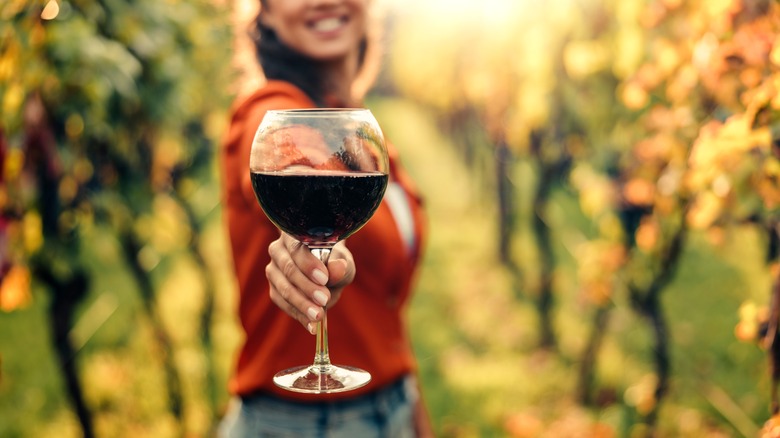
(339, 274)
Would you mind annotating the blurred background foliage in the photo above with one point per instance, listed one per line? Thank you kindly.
(601, 176)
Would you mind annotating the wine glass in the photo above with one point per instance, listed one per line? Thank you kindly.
(319, 175)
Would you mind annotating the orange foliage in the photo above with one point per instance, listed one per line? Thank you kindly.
(572, 423)
(723, 54)
(523, 425)
(771, 428)
(647, 234)
(639, 191)
(15, 289)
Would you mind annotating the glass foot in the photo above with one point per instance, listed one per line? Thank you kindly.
(321, 380)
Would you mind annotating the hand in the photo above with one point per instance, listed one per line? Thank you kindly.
(301, 285)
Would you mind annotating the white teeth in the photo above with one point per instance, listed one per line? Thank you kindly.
(327, 24)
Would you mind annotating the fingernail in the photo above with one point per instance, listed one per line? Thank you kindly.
(320, 297)
(320, 277)
(313, 313)
(312, 328)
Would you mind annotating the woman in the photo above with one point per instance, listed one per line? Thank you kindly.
(312, 53)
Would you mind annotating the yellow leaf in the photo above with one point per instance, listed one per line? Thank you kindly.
(8, 61)
(68, 188)
(83, 170)
(667, 56)
(748, 311)
(10, 8)
(32, 232)
(74, 125)
(634, 96)
(14, 163)
(629, 43)
(717, 144)
(717, 8)
(774, 55)
(533, 103)
(583, 58)
(13, 98)
(705, 210)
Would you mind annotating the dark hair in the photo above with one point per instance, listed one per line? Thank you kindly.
(279, 61)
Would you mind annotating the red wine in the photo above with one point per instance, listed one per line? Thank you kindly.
(319, 208)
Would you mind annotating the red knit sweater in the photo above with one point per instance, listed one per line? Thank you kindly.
(367, 327)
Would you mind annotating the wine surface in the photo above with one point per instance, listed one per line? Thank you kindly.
(319, 209)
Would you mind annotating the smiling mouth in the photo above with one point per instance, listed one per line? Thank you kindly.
(328, 24)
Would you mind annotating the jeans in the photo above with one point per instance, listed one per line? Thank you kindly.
(386, 413)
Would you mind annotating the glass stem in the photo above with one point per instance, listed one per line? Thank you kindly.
(321, 356)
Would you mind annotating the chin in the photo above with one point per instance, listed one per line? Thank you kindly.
(330, 55)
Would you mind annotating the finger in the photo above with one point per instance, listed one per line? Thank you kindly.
(292, 261)
(341, 268)
(337, 282)
(337, 270)
(306, 262)
(290, 299)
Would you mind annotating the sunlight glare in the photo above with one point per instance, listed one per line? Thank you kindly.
(487, 11)
(51, 10)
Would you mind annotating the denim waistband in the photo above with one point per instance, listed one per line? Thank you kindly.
(386, 399)
(384, 413)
